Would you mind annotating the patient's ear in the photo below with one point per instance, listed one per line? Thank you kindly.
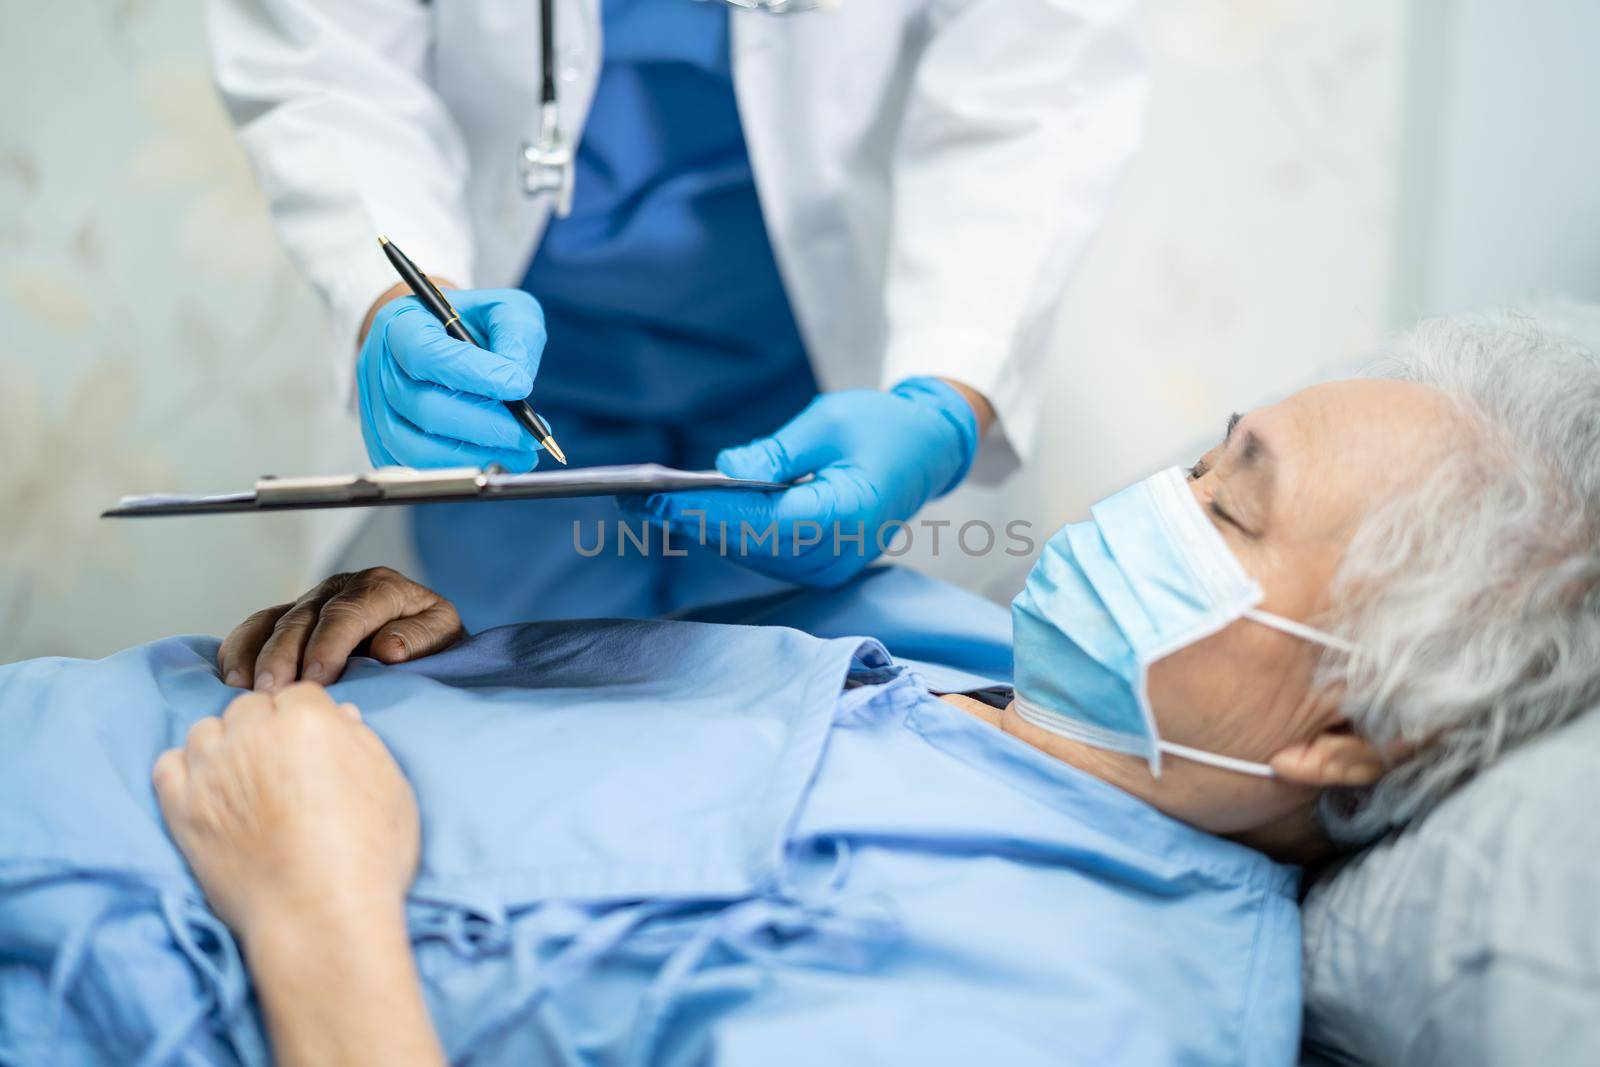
(1336, 756)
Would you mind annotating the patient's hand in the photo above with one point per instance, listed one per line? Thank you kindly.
(289, 805)
(313, 637)
(304, 836)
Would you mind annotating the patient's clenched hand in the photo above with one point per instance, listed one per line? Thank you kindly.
(289, 808)
(313, 637)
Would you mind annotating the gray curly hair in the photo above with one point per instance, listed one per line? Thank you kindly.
(1474, 595)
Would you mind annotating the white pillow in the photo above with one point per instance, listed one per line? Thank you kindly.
(1473, 937)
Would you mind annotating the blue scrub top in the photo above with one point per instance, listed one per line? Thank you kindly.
(661, 295)
(670, 333)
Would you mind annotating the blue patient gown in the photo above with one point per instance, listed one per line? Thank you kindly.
(667, 842)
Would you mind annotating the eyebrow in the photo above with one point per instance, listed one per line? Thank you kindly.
(1256, 466)
(1254, 448)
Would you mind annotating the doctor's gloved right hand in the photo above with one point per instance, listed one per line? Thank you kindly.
(428, 400)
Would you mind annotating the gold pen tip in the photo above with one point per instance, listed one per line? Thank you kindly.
(382, 240)
(554, 449)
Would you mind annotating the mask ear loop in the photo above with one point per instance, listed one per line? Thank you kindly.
(1214, 759)
(1284, 625)
(1301, 630)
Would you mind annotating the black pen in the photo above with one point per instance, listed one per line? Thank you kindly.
(434, 301)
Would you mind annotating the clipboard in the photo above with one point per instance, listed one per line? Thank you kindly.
(400, 486)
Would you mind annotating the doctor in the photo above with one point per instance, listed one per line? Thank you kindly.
(673, 222)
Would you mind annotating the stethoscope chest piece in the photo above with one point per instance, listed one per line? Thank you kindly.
(547, 164)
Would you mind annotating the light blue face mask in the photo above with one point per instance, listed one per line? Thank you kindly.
(1147, 575)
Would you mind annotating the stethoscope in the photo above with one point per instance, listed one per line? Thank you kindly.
(547, 164)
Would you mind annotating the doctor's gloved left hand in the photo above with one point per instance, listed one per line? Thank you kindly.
(875, 457)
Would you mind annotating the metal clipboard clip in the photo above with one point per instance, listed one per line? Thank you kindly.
(385, 483)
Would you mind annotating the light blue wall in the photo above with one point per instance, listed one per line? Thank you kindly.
(152, 335)
(1501, 175)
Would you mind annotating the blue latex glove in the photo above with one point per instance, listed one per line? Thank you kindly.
(428, 400)
(876, 457)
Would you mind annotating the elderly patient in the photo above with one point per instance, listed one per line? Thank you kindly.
(694, 841)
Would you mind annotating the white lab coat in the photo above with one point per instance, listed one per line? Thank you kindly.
(930, 171)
